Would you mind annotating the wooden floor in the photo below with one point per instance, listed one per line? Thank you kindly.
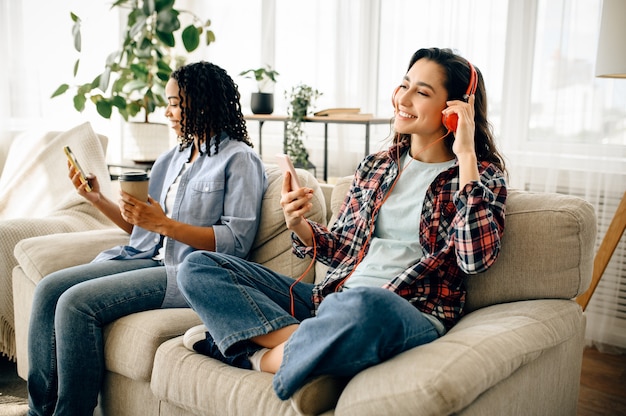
(602, 384)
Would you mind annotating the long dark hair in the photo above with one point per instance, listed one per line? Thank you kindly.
(209, 100)
(457, 71)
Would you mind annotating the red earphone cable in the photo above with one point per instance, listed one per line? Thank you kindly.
(291, 298)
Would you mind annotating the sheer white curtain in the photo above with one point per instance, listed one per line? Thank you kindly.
(37, 44)
(564, 130)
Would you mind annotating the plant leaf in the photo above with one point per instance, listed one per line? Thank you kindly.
(104, 108)
(104, 79)
(166, 38)
(138, 27)
(133, 85)
(79, 102)
(60, 90)
(191, 38)
(118, 102)
(164, 4)
(148, 7)
(76, 64)
(167, 21)
(210, 37)
(76, 32)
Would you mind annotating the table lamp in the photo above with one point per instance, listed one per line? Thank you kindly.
(611, 57)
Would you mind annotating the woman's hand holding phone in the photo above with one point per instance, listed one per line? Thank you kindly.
(295, 200)
(78, 170)
(87, 186)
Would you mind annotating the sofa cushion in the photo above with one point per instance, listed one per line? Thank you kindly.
(206, 386)
(272, 245)
(131, 342)
(38, 263)
(484, 349)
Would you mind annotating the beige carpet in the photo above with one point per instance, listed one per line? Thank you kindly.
(15, 408)
(13, 395)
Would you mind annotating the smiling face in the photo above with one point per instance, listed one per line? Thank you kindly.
(420, 99)
(173, 111)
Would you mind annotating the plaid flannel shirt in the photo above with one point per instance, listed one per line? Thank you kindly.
(459, 229)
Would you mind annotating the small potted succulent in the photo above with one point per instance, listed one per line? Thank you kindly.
(262, 101)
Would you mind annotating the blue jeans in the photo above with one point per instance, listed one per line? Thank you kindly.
(65, 339)
(353, 330)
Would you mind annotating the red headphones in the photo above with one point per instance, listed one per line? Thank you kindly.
(450, 122)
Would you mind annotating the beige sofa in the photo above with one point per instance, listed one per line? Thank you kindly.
(518, 351)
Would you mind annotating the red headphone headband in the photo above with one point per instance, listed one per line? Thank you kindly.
(473, 82)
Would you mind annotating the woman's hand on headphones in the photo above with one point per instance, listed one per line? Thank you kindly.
(464, 135)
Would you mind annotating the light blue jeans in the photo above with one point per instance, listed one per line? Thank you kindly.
(65, 339)
(353, 330)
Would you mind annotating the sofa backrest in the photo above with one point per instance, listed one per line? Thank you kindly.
(547, 249)
(272, 245)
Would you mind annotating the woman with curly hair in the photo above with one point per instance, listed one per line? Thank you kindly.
(196, 203)
(420, 218)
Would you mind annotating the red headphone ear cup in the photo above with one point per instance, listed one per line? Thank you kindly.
(450, 122)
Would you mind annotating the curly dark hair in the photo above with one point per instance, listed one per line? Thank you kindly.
(209, 100)
(457, 71)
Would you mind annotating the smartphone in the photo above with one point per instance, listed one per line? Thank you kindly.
(74, 162)
(285, 164)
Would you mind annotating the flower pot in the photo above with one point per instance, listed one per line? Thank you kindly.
(262, 103)
(144, 142)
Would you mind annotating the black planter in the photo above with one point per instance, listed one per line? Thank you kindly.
(262, 103)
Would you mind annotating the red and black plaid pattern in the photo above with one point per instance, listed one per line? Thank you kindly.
(459, 229)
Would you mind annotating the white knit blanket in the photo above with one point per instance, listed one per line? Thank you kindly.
(37, 198)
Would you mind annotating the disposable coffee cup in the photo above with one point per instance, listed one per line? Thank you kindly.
(135, 183)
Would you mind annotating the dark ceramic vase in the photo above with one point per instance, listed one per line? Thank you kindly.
(262, 103)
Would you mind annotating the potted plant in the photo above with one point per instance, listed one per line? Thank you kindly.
(301, 98)
(262, 101)
(134, 76)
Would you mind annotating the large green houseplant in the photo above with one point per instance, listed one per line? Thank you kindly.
(301, 99)
(135, 75)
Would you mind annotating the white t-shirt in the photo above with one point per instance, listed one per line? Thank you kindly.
(395, 243)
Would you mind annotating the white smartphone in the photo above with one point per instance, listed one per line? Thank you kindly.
(285, 164)
(74, 162)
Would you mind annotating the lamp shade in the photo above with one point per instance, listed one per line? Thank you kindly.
(611, 58)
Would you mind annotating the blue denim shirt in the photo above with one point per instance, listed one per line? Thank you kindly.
(223, 191)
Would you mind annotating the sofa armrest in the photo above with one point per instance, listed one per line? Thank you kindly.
(485, 349)
(40, 256)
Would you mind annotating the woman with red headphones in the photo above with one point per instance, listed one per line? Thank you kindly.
(420, 217)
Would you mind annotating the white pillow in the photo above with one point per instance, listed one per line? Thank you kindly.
(34, 181)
